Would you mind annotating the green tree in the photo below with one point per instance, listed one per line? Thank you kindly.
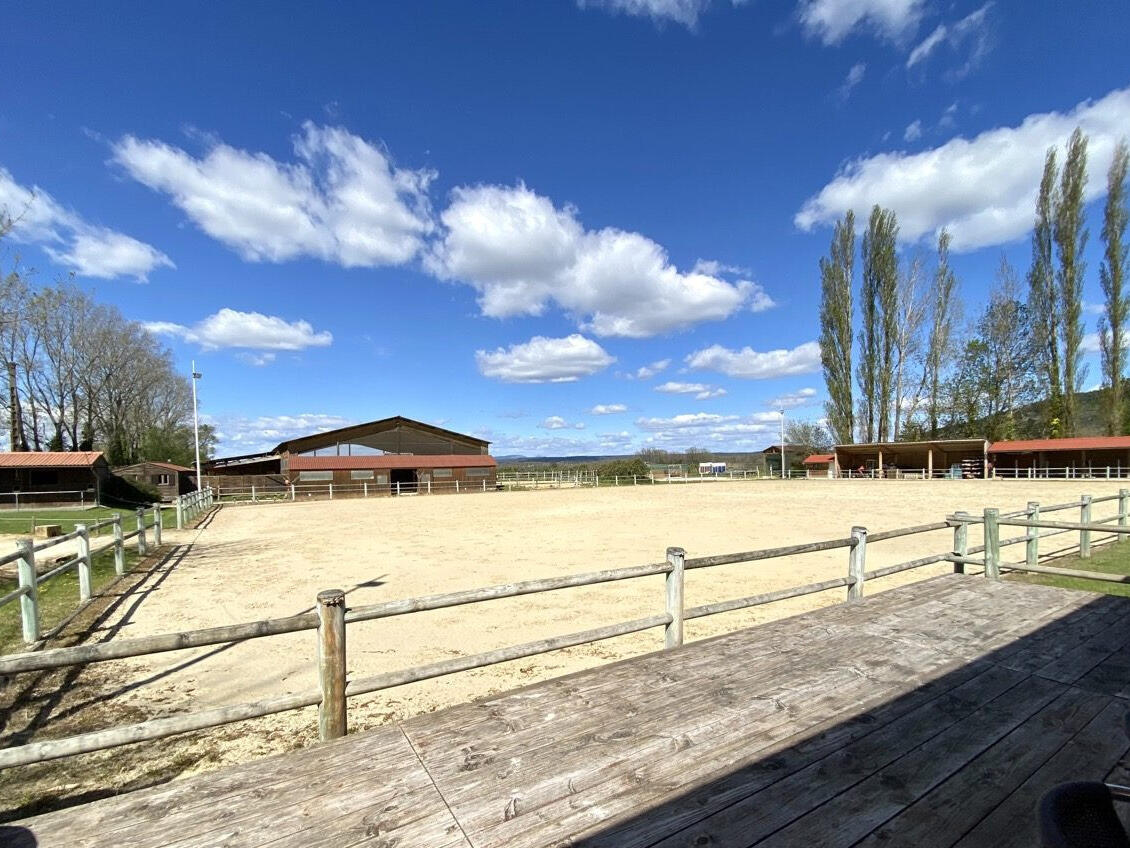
(867, 372)
(1043, 302)
(879, 298)
(836, 282)
(805, 438)
(940, 343)
(1070, 235)
(1112, 274)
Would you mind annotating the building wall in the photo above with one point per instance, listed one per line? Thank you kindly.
(29, 481)
(179, 482)
(381, 481)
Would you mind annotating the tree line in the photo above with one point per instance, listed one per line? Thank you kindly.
(81, 376)
(906, 365)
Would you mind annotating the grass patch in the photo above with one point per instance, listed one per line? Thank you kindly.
(58, 597)
(1109, 558)
(21, 522)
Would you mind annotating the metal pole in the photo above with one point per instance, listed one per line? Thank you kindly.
(196, 375)
(782, 412)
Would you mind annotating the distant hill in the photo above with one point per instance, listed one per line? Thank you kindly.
(1029, 419)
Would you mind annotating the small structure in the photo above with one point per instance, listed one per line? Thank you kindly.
(820, 465)
(399, 473)
(711, 468)
(49, 477)
(170, 479)
(772, 456)
(952, 458)
(1085, 456)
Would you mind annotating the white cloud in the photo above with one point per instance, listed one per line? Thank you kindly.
(522, 253)
(71, 241)
(913, 131)
(754, 365)
(982, 189)
(675, 388)
(646, 372)
(707, 394)
(792, 400)
(684, 12)
(970, 34)
(854, 77)
(230, 328)
(239, 434)
(713, 430)
(833, 20)
(554, 422)
(256, 359)
(342, 199)
(608, 409)
(543, 360)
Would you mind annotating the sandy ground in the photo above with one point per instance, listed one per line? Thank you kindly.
(270, 560)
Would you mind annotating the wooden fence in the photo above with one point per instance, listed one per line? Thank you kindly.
(332, 617)
(192, 504)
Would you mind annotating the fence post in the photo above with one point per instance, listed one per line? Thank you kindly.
(398, 487)
(29, 601)
(365, 487)
(331, 664)
(960, 542)
(1123, 512)
(157, 528)
(180, 513)
(429, 485)
(1085, 535)
(857, 562)
(119, 545)
(992, 544)
(673, 633)
(456, 487)
(254, 498)
(331, 491)
(85, 589)
(142, 548)
(292, 491)
(1032, 546)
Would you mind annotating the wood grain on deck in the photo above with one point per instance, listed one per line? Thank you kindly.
(931, 715)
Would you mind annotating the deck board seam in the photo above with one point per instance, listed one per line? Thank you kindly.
(435, 785)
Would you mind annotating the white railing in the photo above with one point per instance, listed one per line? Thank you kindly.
(80, 498)
(191, 505)
(29, 580)
(332, 491)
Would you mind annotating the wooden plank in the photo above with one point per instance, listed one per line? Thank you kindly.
(855, 813)
(1076, 664)
(768, 799)
(1111, 676)
(954, 807)
(1087, 756)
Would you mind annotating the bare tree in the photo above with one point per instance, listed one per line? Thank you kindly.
(912, 307)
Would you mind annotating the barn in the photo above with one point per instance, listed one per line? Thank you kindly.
(168, 478)
(955, 458)
(390, 455)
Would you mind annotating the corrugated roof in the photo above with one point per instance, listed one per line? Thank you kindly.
(390, 460)
(171, 466)
(49, 459)
(819, 458)
(1076, 444)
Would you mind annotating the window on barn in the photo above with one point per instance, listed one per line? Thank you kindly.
(441, 472)
(382, 478)
(478, 472)
(315, 476)
(361, 475)
(163, 479)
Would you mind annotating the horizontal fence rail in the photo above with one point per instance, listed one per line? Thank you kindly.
(332, 617)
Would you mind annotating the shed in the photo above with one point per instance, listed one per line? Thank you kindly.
(820, 465)
(937, 458)
(1091, 456)
(170, 479)
(46, 477)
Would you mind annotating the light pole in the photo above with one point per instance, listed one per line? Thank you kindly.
(196, 375)
(782, 413)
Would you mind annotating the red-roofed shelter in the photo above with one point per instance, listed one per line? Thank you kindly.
(1090, 456)
(47, 477)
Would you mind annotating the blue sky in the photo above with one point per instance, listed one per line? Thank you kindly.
(569, 227)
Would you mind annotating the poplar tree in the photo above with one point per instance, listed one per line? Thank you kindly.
(886, 271)
(1043, 303)
(867, 371)
(1112, 273)
(940, 342)
(836, 281)
(1070, 235)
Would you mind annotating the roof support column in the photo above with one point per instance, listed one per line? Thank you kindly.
(930, 463)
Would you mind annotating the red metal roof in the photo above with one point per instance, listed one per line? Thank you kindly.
(390, 460)
(820, 458)
(1081, 443)
(49, 459)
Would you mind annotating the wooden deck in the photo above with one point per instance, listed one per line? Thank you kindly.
(931, 715)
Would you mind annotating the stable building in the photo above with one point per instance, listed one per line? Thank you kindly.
(52, 477)
(946, 458)
(168, 478)
(1089, 456)
(376, 454)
